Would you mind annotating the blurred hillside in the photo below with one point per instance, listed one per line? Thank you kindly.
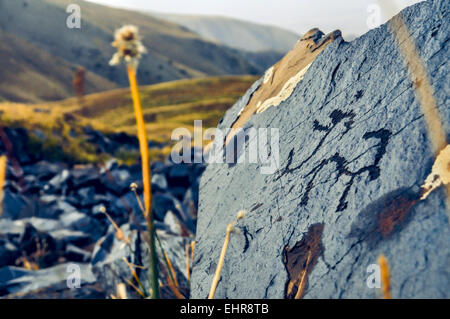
(235, 33)
(31, 74)
(41, 52)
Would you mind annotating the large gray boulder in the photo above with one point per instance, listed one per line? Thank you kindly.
(354, 151)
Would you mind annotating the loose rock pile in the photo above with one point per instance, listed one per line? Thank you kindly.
(52, 218)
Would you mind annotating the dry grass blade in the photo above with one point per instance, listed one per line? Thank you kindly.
(136, 277)
(172, 273)
(2, 179)
(171, 269)
(140, 292)
(220, 264)
(192, 250)
(216, 278)
(302, 284)
(385, 277)
(188, 267)
(119, 234)
(174, 289)
(170, 283)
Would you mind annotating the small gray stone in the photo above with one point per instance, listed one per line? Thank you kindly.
(159, 181)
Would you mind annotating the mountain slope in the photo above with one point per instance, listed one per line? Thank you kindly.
(174, 52)
(236, 33)
(30, 74)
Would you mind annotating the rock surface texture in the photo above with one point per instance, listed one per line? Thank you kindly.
(354, 152)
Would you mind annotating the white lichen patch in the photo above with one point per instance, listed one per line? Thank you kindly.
(285, 92)
(242, 110)
(268, 75)
(440, 173)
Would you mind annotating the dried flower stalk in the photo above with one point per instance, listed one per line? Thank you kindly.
(130, 48)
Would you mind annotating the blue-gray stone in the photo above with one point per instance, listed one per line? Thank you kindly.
(354, 151)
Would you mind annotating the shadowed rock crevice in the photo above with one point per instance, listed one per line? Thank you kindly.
(301, 259)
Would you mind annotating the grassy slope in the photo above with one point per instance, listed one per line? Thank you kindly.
(166, 106)
(30, 74)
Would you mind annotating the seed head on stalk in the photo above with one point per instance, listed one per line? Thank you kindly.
(130, 49)
(129, 46)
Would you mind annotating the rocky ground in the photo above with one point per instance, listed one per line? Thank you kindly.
(52, 219)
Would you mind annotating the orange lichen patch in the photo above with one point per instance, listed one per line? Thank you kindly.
(440, 173)
(281, 79)
(396, 210)
(385, 277)
(394, 213)
(301, 259)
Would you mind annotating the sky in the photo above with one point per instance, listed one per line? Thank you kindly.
(350, 16)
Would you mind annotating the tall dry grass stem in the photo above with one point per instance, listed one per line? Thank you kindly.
(216, 277)
(143, 143)
(2, 179)
(130, 48)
